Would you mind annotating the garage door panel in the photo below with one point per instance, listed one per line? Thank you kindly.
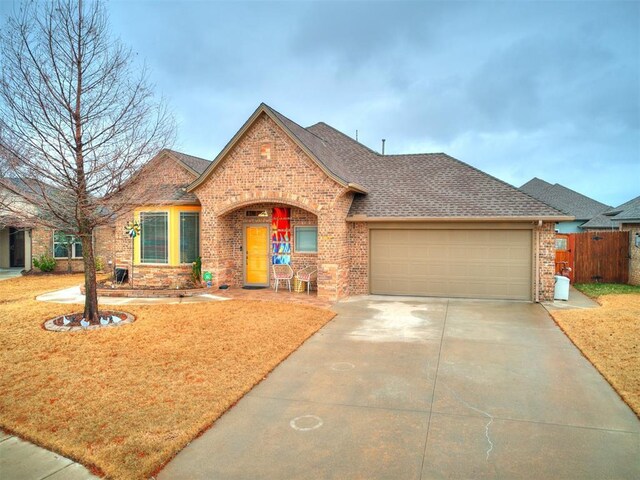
(456, 263)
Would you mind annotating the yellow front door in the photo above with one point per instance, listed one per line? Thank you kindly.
(256, 239)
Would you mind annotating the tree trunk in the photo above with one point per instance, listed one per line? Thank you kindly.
(91, 292)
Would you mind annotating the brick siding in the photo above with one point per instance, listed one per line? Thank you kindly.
(162, 170)
(288, 178)
(104, 245)
(161, 276)
(359, 255)
(546, 259)
(235, 223)
(634, 253)
(42, 243)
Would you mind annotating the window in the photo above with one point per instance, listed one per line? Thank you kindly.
(154, 237)
(189, 236)
(265, 151)
(256, 213)
(561, 244)
(63, 241)
(306, 239)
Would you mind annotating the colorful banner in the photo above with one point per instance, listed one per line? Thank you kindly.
(281, 236)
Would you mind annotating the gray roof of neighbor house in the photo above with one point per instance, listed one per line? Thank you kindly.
(564, 199)
(419, 186)
(536, 187)
(628, 212)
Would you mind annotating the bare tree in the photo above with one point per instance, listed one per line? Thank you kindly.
(76, 120)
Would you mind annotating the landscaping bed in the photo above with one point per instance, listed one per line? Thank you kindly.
(129, 292)
(124, 401)
(609, 337)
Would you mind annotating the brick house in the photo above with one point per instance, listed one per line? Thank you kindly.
(423, 224)
(22, 240)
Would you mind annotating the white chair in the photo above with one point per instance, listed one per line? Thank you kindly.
(282, 272)
(307, 274)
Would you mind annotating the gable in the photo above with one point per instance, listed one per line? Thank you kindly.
(162, 180)
(313, 146)
(265, 162)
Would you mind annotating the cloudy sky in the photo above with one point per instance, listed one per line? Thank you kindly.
(517, 89)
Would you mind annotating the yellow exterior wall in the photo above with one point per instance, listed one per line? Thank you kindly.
(173, 219)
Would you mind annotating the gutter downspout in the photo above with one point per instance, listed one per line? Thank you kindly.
(537, 275)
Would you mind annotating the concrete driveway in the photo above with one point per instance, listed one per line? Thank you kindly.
(405, 388)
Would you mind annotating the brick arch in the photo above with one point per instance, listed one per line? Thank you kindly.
(286, 198)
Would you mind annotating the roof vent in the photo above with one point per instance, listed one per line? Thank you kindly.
(383, 140)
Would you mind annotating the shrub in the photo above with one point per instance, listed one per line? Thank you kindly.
(45, 262)
(196, 272)
(99, 264)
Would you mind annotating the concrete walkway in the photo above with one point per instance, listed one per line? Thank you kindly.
(409, 388)
(73, 295)
(577, 299)
(20, 460)
(7, 273)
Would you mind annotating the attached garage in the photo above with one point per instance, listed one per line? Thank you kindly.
(491, 263)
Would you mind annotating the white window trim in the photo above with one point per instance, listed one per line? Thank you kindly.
(180, 234)
(167, 239)
(73, 248)
(295, 239)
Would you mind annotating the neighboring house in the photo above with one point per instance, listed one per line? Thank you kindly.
(611, 219)
(566, 200)
(419, 224)
(22, 239)
(15, 234)
(625, 217)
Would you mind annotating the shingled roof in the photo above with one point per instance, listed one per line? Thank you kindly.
(197, 164)
(564, 199)
(420, 186)
(430, 185)
(536, 187)
(169, 194)
(628, 212)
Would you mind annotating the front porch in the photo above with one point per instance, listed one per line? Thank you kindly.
(251, 239)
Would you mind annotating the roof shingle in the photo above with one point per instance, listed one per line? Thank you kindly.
(432, 185)
(197, 164)
(628, 212)
(564, 199)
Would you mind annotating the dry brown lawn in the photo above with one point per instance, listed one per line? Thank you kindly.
(125, 400)
(610, 338)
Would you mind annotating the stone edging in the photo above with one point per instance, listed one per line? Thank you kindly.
(148, 293)
(52, 327)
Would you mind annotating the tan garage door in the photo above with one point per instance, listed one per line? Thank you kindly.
(452, 263)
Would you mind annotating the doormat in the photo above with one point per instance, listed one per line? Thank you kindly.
(249, 287)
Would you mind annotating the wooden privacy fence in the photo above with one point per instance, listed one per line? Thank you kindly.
(601, 257)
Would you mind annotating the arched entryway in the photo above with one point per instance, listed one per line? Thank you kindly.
(256, 236)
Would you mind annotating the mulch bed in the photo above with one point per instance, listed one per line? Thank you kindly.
(76, 317)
